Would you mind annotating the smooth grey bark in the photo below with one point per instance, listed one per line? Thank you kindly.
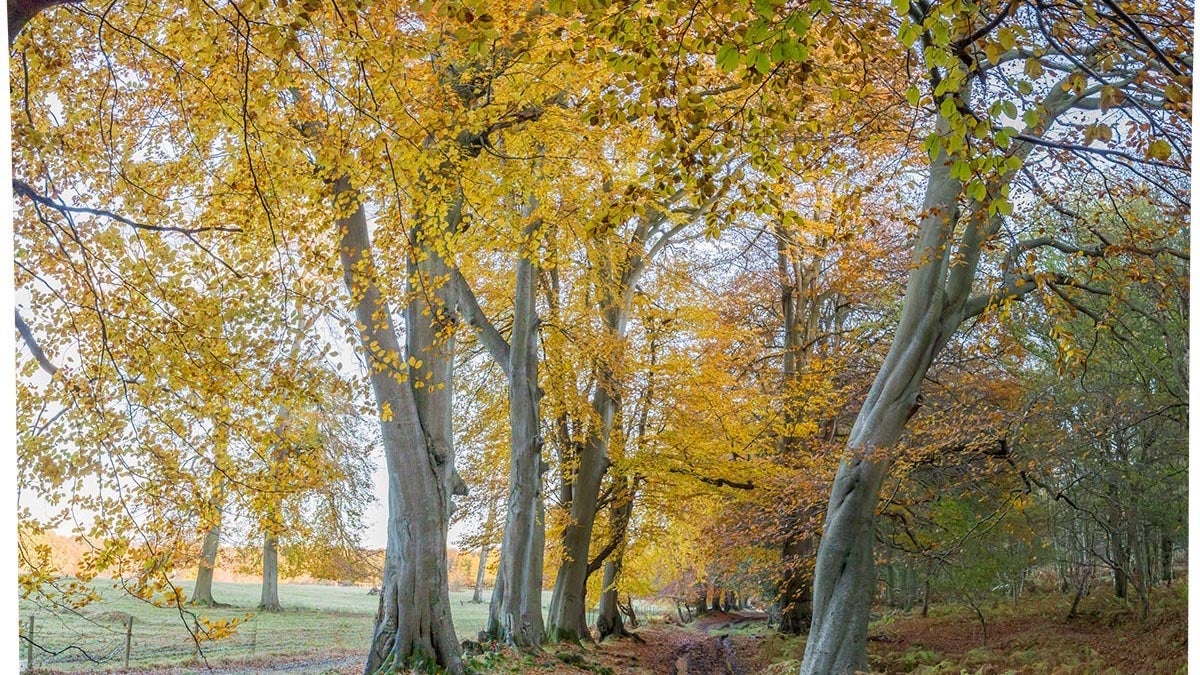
(608, 619)
(515, 614)
(937, 299)
(567, 620)
(202, 594)
(477, 596)
(269, 599)
(413, 627)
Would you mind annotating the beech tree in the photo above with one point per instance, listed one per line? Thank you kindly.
(573, 187)
(1072, 60)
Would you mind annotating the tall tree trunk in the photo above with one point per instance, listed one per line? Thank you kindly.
(489, 527)
(800, 317)
(413, 627)
(937, 299)
(1118, 551)
(567, 620)
(272, 520)
(515, 615)
(269, 600)
(202, 594)
(1168, 553)
(701, 598)
(795, 593)
(844, 578)
(608, 619)
(477, 597)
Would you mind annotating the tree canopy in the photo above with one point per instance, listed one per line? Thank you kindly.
(762, 301)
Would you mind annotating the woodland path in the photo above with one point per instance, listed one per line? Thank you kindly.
(704, 647)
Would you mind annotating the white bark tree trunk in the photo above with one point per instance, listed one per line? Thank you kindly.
(937, 299)
(844, 578)
(515, 615)
(413, 627)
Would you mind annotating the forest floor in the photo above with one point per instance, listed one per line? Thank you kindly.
(1028, 637)
(1031, 636)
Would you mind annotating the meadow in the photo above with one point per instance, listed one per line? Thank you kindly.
(324, 621)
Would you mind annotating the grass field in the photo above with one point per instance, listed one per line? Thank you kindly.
(321, 620)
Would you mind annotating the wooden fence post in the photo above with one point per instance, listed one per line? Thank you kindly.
(128, 639)
(29, 651)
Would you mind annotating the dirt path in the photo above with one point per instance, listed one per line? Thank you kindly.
(704, 647)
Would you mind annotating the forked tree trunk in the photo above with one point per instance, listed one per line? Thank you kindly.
(608, 619)
(269, 600)
(937, 299)
(567, 620)
(413, 627)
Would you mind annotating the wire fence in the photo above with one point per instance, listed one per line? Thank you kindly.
(114, 639)
(47, 642)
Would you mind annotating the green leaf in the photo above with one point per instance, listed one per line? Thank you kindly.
(762, 62)
(948, 109)
(728, 58)
(914, 95)
(934, 145)
(794, 51)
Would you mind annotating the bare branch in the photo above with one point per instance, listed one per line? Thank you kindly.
(34, 347)
(489, 337)
(22, 188)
